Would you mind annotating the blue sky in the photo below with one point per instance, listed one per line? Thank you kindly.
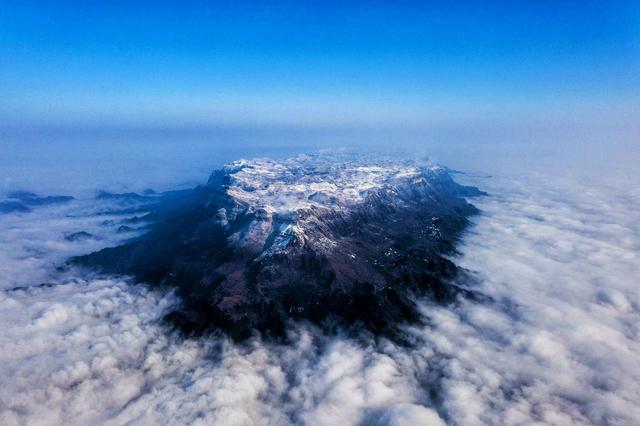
(184, 62)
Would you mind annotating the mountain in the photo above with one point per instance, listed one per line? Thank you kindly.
(331, 239)
(23, 201)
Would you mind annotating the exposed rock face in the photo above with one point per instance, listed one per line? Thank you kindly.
(320, 238)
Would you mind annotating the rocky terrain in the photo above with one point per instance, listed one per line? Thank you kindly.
(336, 240)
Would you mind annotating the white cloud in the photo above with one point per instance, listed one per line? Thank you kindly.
(557, 344)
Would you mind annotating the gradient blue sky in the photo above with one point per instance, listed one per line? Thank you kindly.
(180, 62)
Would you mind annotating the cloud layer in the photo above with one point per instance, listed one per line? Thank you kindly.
(557, 342)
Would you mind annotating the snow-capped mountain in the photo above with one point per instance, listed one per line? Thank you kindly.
(317, 237)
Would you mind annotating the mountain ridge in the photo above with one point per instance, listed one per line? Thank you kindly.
(320, 238)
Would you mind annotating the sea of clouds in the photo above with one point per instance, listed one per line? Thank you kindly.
(556, 341)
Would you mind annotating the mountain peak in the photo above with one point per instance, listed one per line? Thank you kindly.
(285, 186)
(317, 237)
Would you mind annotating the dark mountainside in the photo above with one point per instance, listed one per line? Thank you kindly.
(335, 243)
(24, 202)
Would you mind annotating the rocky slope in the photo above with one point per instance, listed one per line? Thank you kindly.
(329, 239)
